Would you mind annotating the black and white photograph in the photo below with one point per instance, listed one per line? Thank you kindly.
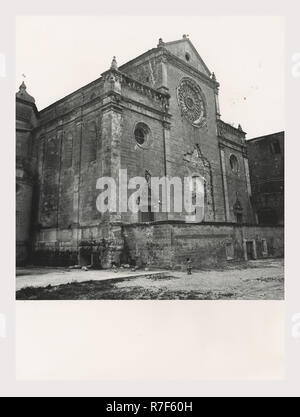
(150, 158)
(149, 201)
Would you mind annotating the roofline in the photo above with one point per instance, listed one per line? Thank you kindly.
(149, 52)
(194, 48)
(71, 94)
(265, 136)
(165, 51)
(93, 82)
(240, 132)
(137, 58)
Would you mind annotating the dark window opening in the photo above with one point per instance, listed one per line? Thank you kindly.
(85, 257)
(234, 164)
(140, 135)
(147, 216)
(187, 56)
(250, 251)
(267, 216)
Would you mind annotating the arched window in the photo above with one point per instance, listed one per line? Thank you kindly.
(267, 216)
(234, 164)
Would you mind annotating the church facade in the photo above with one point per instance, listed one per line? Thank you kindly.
(156, 116)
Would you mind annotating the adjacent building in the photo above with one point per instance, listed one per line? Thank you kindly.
(266, 162)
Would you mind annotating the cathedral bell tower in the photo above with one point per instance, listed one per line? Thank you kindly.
(26, 121)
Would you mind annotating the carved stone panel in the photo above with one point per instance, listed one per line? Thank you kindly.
(197, 164)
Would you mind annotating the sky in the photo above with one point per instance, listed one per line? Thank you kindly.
(60, 54)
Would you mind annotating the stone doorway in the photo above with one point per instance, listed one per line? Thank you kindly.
(250, 250)
(85, 257)
(250, 255)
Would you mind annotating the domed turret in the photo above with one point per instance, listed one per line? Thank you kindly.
(26, 121)
(23, 95)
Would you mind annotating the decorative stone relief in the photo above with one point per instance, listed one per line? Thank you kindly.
(197, 164)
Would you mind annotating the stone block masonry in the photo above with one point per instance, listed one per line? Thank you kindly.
(156, 116)
(169, 244)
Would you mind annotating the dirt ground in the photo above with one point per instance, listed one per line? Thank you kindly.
(254, 280)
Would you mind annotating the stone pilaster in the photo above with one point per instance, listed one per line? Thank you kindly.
(247, 173)
(111, 134)
(76, 235)
(225, 185)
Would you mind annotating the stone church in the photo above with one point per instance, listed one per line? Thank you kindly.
(157, 115)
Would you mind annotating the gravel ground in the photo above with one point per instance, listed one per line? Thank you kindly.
(254, 280)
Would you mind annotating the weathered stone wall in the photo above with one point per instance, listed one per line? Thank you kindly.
(147, 71)
(94, 138)
(26, 121)
(139, 159)
(90, 134)
(266, 163)
(168, 245)
(166, 68)
(23, 219)
(69, 147)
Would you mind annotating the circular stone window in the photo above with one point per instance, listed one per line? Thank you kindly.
(234, 164)
(187, 56)
(192, 102)
(142, 134)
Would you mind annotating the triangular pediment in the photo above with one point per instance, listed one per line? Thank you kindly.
(185, 50)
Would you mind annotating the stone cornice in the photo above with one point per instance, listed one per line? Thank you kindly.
(24, 130)
(117, 103)
(149, 109)
(28, 103)
(227, 128)
(226, 143)
(159, 96)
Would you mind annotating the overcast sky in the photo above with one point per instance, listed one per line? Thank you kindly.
(61, 54)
